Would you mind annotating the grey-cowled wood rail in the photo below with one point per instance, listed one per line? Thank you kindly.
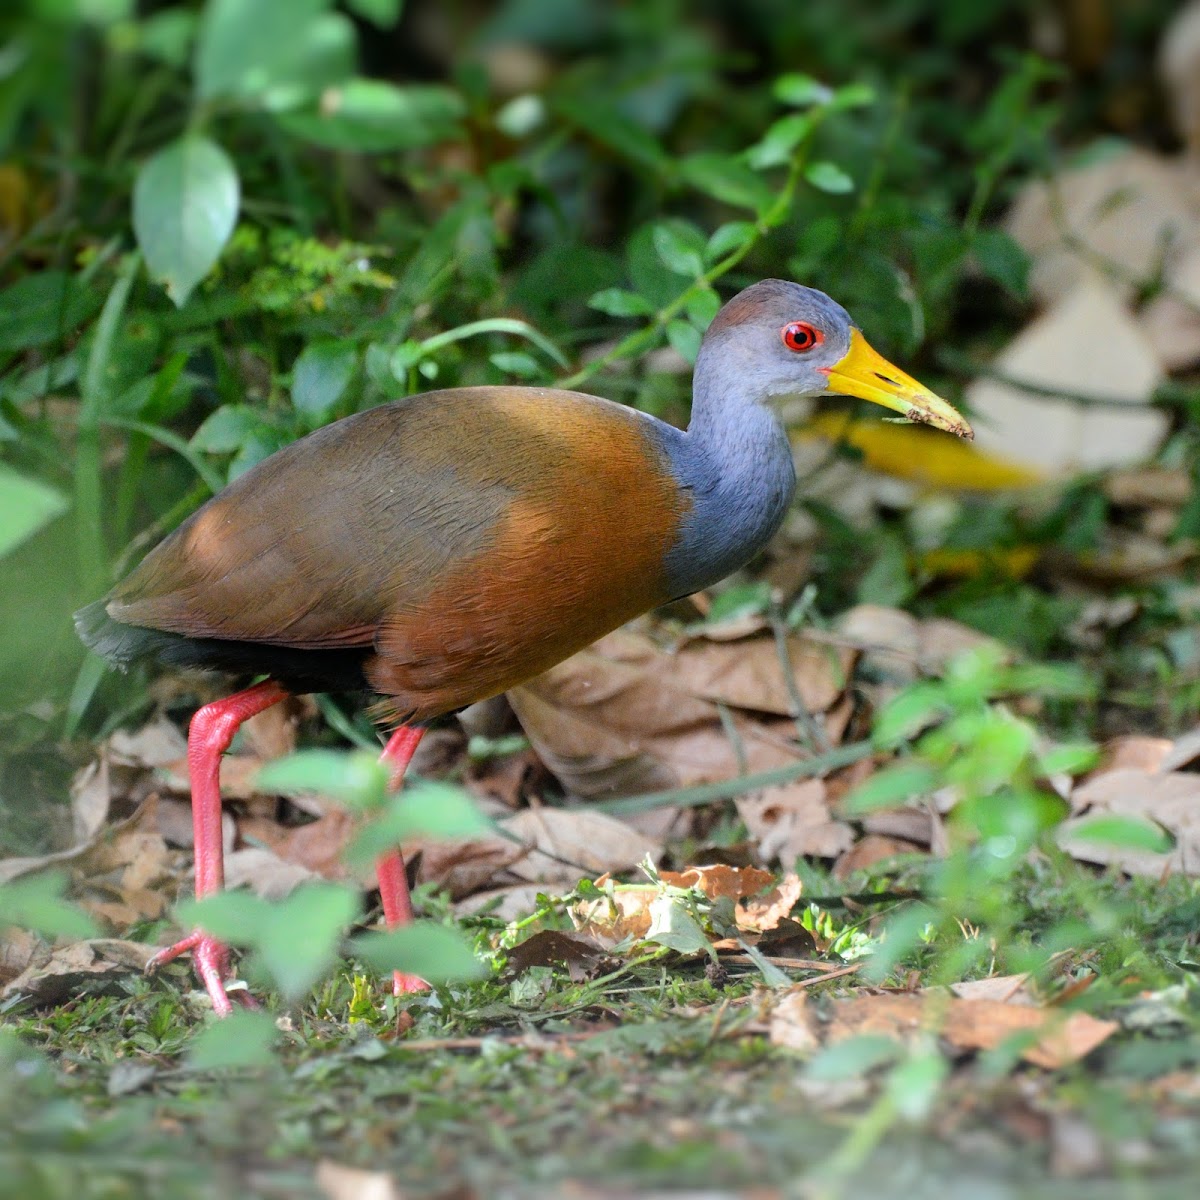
(440, 549)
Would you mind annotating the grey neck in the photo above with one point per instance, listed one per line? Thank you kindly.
(735, 465)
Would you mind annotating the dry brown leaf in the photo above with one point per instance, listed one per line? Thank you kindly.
(737, 883)
(1009, 989)
(625, 716)
(623, 913)
(1172, 799)
(793, 1024)
(95, 964)
(317, 846)
(19, 950)
(503, 903)
(463, 866)
(1179, 68)
(567, 843)
(869, 850)
(584, 957)
(971, 1025)
(1133, 751)
(1183, 752)
(793, 821)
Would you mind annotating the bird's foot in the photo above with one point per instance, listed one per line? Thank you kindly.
(210, 959)
(404, 984)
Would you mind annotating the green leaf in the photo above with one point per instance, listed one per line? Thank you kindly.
(685, 339)
(1001, 259)
(434, 952)
(1072, 757)
(36, 902)
(617, 302)
(356, 778)
(516, 362)
(672, 925)
(890, 787)
(852, 1057)
(247, 46)
(294, 939)
(828, 177)
(185, 205)
(427, 809)
(779, 143)
(915, 1084)
(680, 247)
(370, 116)
(728, 238)
(383, 13)
(26, 505)
(223, 431)
(321, 375)
(727, 179)
(702, 306)
(613, 129)
(800, 91)
(909, 713)
(242, 1039)
(42, 307)
(1129, 833)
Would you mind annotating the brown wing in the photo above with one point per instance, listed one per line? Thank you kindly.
(475, 536)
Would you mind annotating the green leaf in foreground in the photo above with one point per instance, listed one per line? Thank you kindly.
(185, 205)
(356, 778)
(243, 1039)
(428, 809)
(434, 952)
(1129, 833)
(36, 902)
(828, 177)
(25, 506)
(295, 939)
(322, 372)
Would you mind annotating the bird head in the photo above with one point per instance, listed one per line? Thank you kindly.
(780, 338)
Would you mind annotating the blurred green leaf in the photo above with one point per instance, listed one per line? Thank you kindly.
(435, 953)
(383, 13)
(680, 247)
(185, 205)
(891, 787)
(1001, 259)
(371, 116)
(36, 902)
(619, 303)
(800, 91)
(356, 778)
(425, 809)
(828, 177)
(852, 1057)
(779, 143)
(223, 431)
(26, 505)
(727, 179)
(243, 1039)
(727, 238)
(915, 1084)
(43, 307)
(613, 129)
(321, 375)
(685, 339)
(1127, 832)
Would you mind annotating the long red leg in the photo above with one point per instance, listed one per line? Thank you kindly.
(211, 731)
(393, 882)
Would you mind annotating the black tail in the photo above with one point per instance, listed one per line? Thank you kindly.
(118, 644)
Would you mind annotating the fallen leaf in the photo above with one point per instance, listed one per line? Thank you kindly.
(793, 1025)
(971, 1025)
(567, 843)
(793, 821)
(338, 1182)
(504, 903)
(265, 873)
(1010, 989)
(1086, 343)
(317, 846)
(1179, 69)
(1170, 799)
(95, 965)
(870, 849)
(583, 957)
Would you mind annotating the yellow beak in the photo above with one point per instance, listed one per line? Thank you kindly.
(865, 373)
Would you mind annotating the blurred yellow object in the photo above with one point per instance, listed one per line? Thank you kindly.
(909, 452)
(1013, 563)
(16, 200)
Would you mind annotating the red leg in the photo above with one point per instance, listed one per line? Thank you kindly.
(393, 882)
(212, 729)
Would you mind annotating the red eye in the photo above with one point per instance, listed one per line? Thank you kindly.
(800, 336)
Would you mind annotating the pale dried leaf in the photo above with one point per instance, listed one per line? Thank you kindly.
(1172, 799)
(317, 846)
(504, 903)
(1148, 487)
(793, 821)
(96, 964)
(1088, 343)
(889, 639)
(567, 843)
(870, 849)
(793, 1025)
(971, 1025)
(1009, 989)
(265, 873)
(1125, 209)
(157, 744)
(464, 865)
(1179, 68)
(338, 1182)
(1183, 752)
